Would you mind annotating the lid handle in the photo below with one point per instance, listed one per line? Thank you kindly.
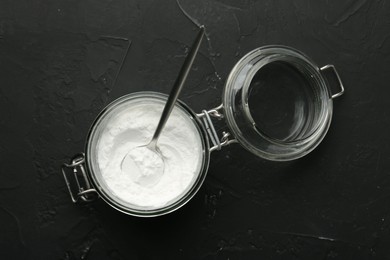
(330, 66)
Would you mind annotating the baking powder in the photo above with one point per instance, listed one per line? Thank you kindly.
(179, 143)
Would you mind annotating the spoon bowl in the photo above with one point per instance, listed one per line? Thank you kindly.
(145, 164)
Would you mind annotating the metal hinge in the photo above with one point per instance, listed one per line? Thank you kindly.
(217, 142)
(82, 190)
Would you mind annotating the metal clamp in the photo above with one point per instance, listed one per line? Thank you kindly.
(84, 192)
(330, 66)
(212, 133)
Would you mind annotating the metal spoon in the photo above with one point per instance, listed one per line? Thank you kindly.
(148, 158)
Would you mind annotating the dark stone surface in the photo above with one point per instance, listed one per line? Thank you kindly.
(58, 64)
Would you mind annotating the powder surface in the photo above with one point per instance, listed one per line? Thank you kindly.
(134, 182)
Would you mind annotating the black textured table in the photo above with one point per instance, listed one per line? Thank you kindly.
(62, 61)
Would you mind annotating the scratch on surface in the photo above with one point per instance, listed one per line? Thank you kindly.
(86, 250)
(17, 224)
(122, 39)
(238, 24)
(197, 92)
(318, 237)
(106, 37)
(201, 53)
(192, 19)
(309, 236)
(350, 11)
(196, 22)
(374, 23)
(374, 201)
(122, 62)
(207, 34)
(230, 7)
(212, 64)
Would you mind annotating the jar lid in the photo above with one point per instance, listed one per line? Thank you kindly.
(277, 104)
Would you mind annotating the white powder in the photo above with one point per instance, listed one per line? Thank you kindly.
(179, 143)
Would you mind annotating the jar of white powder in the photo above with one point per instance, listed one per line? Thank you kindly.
(130, 122)
(277, 104)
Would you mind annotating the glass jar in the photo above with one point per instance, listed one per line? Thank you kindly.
(89, 180)
(277, 105)
(292, 99)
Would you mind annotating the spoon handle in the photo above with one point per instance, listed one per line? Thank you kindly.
(173, 95)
